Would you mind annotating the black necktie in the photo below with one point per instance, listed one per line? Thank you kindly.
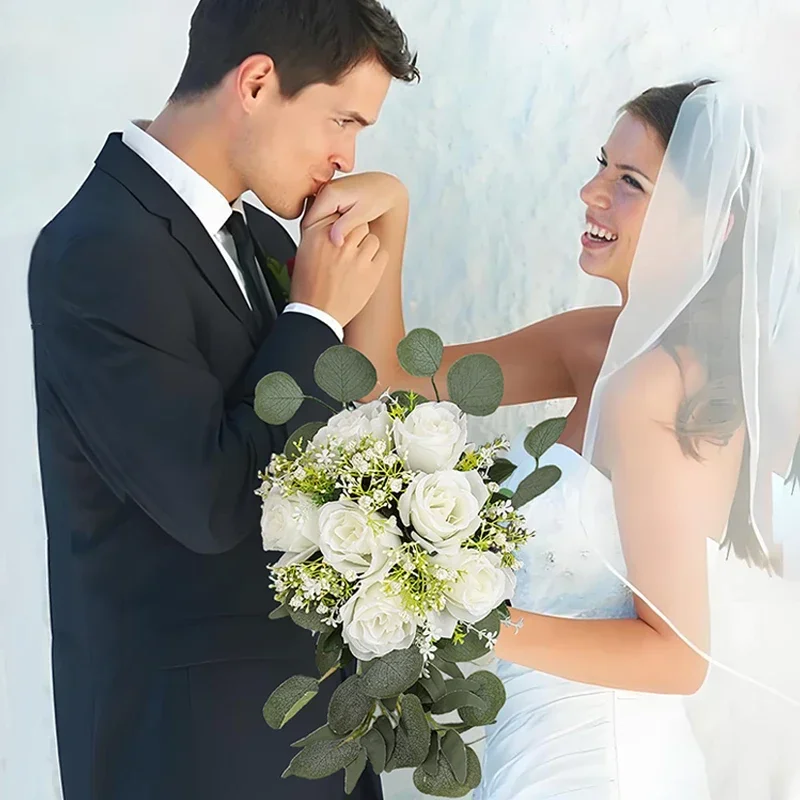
(253, 281)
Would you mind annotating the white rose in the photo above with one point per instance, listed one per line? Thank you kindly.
(482, 586)
(356, 541)
(289, 524)
(443, 509)
(442, 624)
(370, 419)
(375, 623)
(432, 437)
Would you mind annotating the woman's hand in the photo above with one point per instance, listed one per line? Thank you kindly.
(358, 200)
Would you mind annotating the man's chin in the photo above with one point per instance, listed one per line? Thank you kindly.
(300, 209)
(283, 209)
(289, 214)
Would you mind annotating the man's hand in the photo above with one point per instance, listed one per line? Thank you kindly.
(356, 200)
(337, 279)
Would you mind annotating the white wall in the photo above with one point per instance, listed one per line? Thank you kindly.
(516, 98)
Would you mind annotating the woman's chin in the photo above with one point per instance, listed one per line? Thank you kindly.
(594, 264)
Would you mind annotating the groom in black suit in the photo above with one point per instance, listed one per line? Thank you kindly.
(155, 310)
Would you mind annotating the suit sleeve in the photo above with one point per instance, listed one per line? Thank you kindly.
(113, 336)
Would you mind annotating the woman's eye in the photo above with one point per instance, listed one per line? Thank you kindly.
(632, 182)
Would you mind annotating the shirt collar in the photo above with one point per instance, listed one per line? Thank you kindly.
(205, 200)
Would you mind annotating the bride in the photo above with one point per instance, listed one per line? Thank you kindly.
(654, 555)
(695, 408)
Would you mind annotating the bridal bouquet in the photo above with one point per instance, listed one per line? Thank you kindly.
(399, 555)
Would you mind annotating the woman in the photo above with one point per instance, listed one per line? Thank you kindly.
(696, 406)
(680, 443)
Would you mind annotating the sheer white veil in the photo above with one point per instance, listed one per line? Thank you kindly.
(717, 273)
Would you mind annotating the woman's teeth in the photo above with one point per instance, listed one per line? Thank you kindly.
(600, 234)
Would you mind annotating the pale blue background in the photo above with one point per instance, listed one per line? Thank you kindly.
(517, 96)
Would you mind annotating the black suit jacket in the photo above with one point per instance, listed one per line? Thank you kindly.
(146, 361)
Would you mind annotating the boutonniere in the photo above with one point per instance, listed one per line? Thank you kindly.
(282, 274)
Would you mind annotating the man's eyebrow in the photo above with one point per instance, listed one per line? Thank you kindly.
(365, 123)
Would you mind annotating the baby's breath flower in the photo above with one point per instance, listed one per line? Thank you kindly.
(417, 579)
(311, 585)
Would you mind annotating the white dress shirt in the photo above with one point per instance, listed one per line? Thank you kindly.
(208, 205)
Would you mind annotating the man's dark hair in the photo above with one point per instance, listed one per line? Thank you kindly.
(310, 41)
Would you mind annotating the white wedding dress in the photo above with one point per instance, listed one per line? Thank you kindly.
(559, 739)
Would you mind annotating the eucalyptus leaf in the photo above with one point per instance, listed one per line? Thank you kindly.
(412, 717)
(349, 706)
(501, 470)
(292, 695)
(278, 398)
(431, 763)
(345, 374)
(394, 673)
(458, 727)
(473, 646)
(353, 771)
(491, 690)
(385, 729)
(301, 438)
(390, 702)
(330, 641)
(438, 679)
(544, 436)
(447, 667)
(455, 751)
(491, 622)
(346, 659)
(323, 734)
(407, 752)
(536, 484)
(420, 353)
(424, 694)
(455, 700)
(329, 650)
(280, 612)
(310, 620)
(320, 759)
(475, 384)
(434, 685)
(412, 735)
(375, 745)
(444, 782)
(457, 685)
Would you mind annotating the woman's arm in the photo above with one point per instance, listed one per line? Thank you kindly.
(543, 361)
(379, 327)
(667, 505)
(539, 362)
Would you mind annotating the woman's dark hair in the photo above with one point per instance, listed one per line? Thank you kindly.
(310, 41)
(659, 106)
(711, 320)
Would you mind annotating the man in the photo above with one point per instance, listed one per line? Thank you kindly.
(155, 312)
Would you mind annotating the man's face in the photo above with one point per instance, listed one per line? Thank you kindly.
(287, 149)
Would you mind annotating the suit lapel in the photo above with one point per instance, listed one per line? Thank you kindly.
(158, 197)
